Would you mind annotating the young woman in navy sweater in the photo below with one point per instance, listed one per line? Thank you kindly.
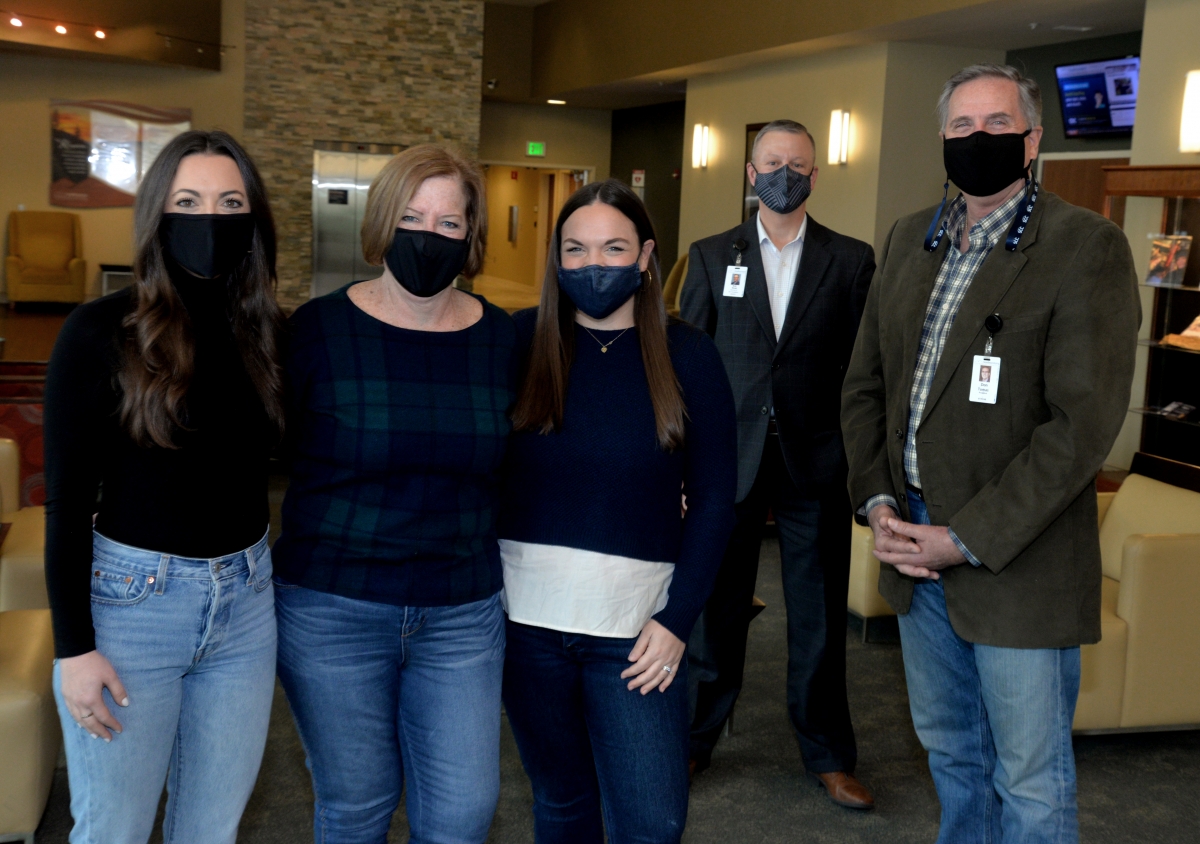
(618, 412)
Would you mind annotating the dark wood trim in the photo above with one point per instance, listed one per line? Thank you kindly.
(1171, 472)
(1158, 180)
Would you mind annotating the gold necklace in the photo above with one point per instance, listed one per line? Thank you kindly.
(604, 346)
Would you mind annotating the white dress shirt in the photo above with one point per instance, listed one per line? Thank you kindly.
(780, 267)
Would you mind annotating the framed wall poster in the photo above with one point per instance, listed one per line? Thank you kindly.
(749, 197)
(101, 149)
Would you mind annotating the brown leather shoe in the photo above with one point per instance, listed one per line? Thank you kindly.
(845, 790)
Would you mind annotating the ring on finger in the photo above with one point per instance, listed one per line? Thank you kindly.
(667, 668)
(86, 716)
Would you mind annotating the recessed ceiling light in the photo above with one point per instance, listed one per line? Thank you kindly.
(60, 29)
(100, 33)
(556, 102)
(1070, 28)
(15, 21)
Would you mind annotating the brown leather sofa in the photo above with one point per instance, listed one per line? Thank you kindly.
(45, 257)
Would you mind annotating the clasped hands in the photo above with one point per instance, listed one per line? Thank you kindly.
(915, 550)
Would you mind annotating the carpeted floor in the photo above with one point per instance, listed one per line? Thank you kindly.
(1132, 788)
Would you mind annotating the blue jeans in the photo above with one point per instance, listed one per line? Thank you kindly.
(996, 723)
(385, 695)
(193, 642)
(591, 747)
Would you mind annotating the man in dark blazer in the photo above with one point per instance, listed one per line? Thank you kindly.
(981, 493)
(782, 296)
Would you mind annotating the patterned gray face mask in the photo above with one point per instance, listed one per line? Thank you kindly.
(783, 190)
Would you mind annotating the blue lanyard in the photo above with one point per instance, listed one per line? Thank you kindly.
(1015, 231)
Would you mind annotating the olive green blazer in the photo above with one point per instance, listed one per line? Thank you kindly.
(1014, 480)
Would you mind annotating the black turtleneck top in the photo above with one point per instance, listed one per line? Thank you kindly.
(207, 498)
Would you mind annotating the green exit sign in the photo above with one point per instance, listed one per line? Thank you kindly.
(535, 149)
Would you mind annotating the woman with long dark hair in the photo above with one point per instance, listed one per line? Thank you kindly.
(163, 402)
(604, 576)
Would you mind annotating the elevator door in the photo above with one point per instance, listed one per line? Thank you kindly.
(342, 174)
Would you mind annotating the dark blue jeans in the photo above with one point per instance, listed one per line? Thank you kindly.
(389, 697)
(598, 755)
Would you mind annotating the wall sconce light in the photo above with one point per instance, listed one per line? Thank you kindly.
(700, 141)
(1189, 122)
(839, 136)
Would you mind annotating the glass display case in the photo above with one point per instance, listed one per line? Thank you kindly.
(1171, 407)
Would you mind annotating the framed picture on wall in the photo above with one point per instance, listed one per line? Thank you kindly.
(749, 197)
(101, 149)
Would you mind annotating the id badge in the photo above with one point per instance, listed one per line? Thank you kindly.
(735, 281)
(985, 379)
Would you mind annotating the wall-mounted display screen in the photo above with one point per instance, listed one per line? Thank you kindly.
(1098, 98)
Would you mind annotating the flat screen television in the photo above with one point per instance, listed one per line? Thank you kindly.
(1098, 98)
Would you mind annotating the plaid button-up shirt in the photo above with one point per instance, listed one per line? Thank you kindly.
(953, 280)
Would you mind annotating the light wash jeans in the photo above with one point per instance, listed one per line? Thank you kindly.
(386, 696)
(996, 723)
(193, 642)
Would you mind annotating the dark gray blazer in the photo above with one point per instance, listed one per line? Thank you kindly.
(1015, 480)
(801, 373)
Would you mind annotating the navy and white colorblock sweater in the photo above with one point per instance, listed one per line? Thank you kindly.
(592, 538)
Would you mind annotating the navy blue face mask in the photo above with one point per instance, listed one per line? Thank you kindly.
(599, 291)
(783, 190)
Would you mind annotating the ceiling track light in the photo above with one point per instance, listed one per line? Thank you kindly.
(54, 24)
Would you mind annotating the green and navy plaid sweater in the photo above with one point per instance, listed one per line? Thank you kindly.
(395, 438)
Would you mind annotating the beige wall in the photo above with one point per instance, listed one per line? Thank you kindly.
(895, 164)
(1169, 51)
(574, 137)
(30, 82)
(911, 172)
(1170, 48)
(806, 90)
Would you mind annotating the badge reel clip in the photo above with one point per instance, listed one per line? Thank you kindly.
(735, 274)
(985, 374)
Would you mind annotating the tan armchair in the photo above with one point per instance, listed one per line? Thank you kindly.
(30, 734)
(22, 556)
(45, 257)
(673, 286)
(863, 598)
(1145, 671)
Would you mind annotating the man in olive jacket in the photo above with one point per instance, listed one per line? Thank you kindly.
(989, 379)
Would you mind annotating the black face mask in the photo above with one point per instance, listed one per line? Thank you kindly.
(983, 164)
(425, 263)
(782, 190)
(207, 245)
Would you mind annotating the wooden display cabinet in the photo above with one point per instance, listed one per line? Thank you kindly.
(1173, 374)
